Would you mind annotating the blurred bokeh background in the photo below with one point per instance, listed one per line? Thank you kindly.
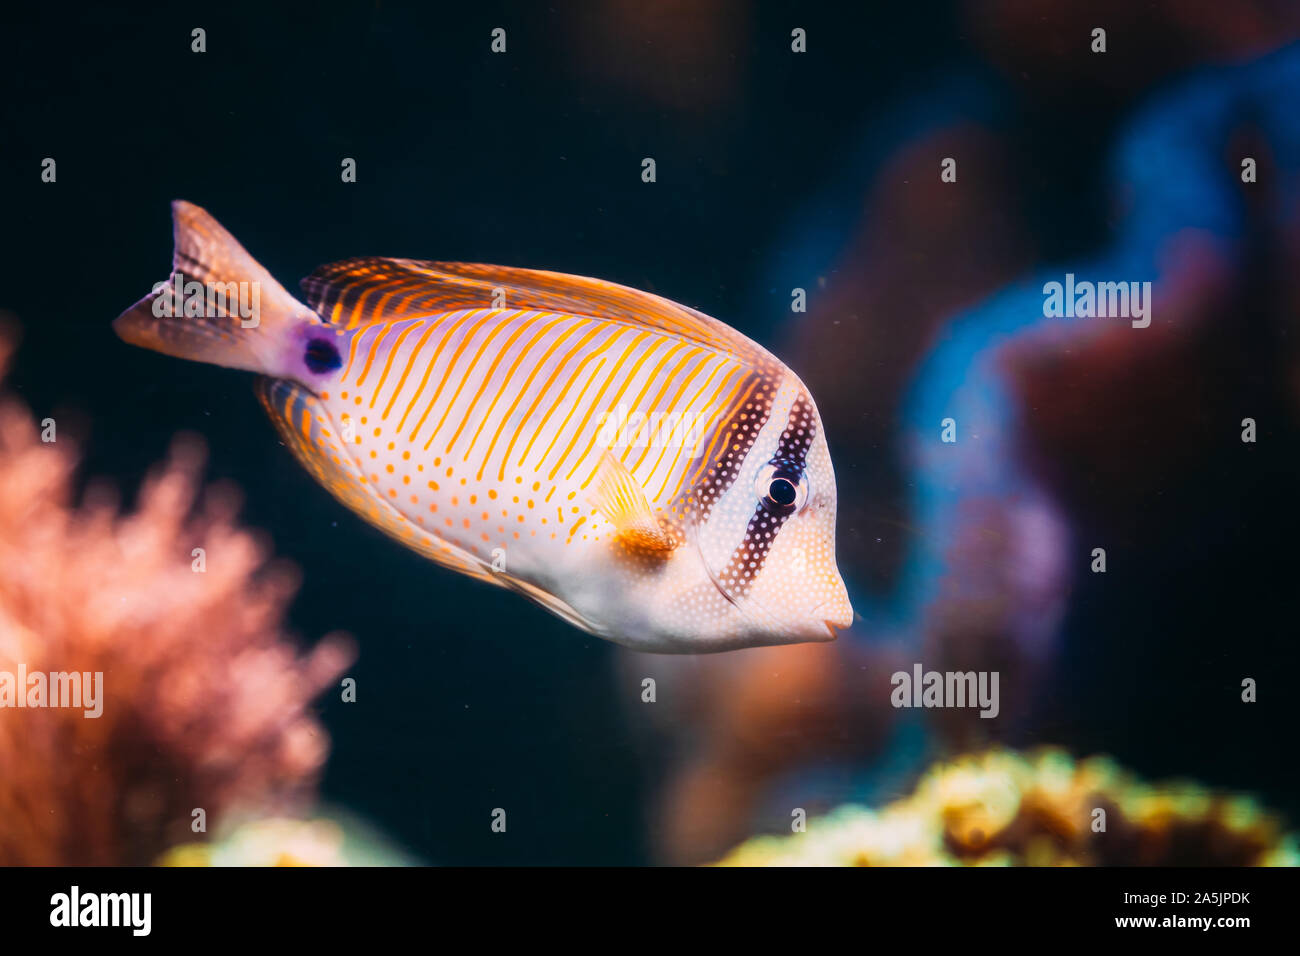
(776, 170)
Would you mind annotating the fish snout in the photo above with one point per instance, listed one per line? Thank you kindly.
(832, 616)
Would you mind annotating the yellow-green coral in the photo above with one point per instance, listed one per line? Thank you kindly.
(338, 839)
(271, 842)
(1001, 808)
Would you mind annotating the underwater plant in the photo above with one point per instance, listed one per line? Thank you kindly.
(1042, 808)
(195, 704)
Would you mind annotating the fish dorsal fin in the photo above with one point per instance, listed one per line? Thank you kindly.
(617, 496)
(306, 427)
(361, 291)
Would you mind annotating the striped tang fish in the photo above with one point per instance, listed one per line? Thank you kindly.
(638, 468)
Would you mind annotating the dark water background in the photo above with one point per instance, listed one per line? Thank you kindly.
(469, 698)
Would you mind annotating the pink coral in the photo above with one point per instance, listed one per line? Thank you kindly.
(205, 703)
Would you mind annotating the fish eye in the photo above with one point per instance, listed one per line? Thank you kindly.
(781, 487)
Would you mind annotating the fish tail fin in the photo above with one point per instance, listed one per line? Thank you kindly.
(218, 305)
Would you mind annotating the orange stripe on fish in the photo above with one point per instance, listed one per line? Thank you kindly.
(683, 363)
(377, 340)
(433, 361)
(388, 365)
(577, 403)
(594, 403)
(524, 353)
(429, 328)
(463, 377)
(572, 353)
(537, 366)
(487, 378)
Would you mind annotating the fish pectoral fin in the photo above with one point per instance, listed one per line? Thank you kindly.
(617, 496)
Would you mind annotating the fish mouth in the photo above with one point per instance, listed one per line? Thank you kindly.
(830, 627)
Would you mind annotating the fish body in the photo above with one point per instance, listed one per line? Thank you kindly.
(641, 470)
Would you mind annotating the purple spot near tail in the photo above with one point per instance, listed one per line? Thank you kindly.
(322, 356)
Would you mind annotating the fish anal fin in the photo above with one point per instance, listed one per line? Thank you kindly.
(618, 497)
(546, 599)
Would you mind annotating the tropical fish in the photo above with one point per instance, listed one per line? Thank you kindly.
(640, 469)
